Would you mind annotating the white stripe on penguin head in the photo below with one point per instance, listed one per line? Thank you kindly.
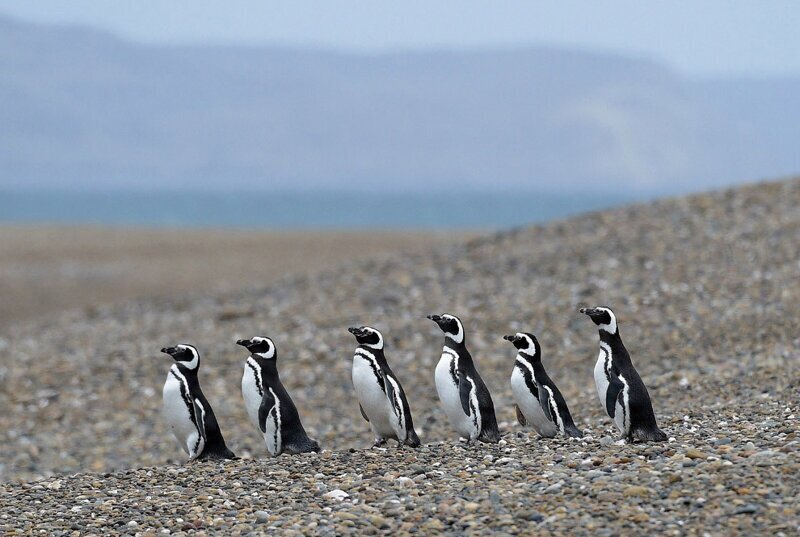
(611, 326)
(530, 350)
(458, 337)
(194, 363)
(270, 354)
(379, 344)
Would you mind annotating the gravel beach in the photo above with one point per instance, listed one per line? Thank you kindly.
(706, 290)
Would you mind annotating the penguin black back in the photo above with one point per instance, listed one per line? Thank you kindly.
(530, 351)
(462, 374)
(375, 384)
(490, 432)
(624, 380)
(187, 363)
(265, 354)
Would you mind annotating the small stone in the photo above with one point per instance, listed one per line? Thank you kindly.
(405, 482)
(693, 453)
(636, 492)
(336, 494)
(747, 509)
(554, 487)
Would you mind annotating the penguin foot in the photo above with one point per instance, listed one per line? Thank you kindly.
(379, 442)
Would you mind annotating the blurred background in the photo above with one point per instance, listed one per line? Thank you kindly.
(151, 148)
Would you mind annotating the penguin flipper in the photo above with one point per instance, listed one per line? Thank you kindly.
(520, 416)
(200, 417)
(363, 414)
(544, 402)
(392, 395)
(612, 394)
(464, 391)
(267, 404)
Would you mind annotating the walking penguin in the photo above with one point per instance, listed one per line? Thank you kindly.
(380, 395)
(268, 403)
(464, 396)
(539, 401)
(186, 409)
(622, 392)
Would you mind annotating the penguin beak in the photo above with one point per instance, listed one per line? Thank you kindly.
(435, 318)
(355, 331)
(243, 342)
(168, 350)
(589, 311)
(512, 339)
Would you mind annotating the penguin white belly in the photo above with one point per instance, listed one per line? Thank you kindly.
(251, 395)
(600, 379)
(450, 398)
(179, 419)
(272, 428)
(530, 406)
(372, 398)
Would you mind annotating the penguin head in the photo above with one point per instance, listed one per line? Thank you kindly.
(260, 346)
(185, 355)
(603, 317)
(367, 336)
(526, 344)
(450, 325)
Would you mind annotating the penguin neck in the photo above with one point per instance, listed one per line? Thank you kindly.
(535, 363)
(614, 342)
(185, 371)
(377, 353)
(269, 367)
(453, 344)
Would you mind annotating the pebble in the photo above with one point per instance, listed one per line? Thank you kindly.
(336, 494)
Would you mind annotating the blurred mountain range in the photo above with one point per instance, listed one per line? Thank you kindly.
(81, 108)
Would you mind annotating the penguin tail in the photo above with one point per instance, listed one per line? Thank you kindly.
(651, 435)
(412, 440)
(221, 453)
(313, 446)
(489, 435)
(217, 454)
(306, 445)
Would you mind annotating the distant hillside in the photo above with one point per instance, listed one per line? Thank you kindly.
(84, 108)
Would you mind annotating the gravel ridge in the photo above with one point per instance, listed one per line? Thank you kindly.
(706, 290)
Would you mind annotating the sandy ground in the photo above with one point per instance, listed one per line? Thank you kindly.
(48, 269)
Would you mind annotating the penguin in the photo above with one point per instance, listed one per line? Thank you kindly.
(539, 401)
(381, 398)
(619, 387)
(464, 396)
(268, 404)
(186, 409)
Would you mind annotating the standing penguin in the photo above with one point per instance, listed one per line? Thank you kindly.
(539, 401)
(464, 396)
(622, 392)
(381, 398)
(268, 403)
(186, 409)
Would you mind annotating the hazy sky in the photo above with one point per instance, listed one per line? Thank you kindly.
(701, 37)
